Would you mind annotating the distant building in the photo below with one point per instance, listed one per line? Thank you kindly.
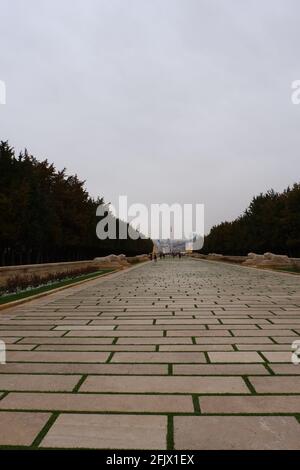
(169, 246)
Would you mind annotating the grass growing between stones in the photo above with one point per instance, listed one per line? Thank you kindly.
(170, 433)
(38, 439)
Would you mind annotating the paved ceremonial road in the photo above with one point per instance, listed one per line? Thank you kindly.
(182, 354)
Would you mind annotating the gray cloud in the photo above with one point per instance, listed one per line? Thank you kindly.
(162, 100)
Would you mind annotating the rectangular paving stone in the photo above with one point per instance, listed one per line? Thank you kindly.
(277, 356)
(64, 340)
(250, 404)
(245, 321)
(20, 347)
(219, 369)
(231, 340)
(287, 320)
(275, 384)
(51, 322)
(164, 384)
(236, 432)
(285, 369)
(53, 356)
(54, 383)
(21, 333)
(197, 332)
(187, 321)
(87, 402)
(85, 347)
(114, 333)
(20, 429)
(264, 333)
(275, 327)
(159, 327)
(125, 315)
(9, 339)
(121, 322)
(84, 328)
(235, 356)
(76, 368)
(160, 340)
(167, 357)
(231, 327)
(263, 347)
(196, 347)
(25, 328)
(107, 432)
(284, 339)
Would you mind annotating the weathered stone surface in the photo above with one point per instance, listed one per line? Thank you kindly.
(276, 384)
(235, 356)
(236, 432)
(53, 356)
(20, 429)
(51, 383)
(165, 384)
(168, 357)
(219, 369)
(250, 404)
(107, 432)
(128, 403)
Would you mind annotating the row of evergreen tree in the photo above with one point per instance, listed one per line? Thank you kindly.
(270, 223)
(48, 216)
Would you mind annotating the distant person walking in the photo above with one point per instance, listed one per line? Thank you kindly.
(155, 258)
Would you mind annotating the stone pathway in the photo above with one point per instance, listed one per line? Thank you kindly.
(181, 354)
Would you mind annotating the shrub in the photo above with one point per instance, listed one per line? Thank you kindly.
(21, 282)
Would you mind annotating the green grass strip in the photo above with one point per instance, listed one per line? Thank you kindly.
(170, 433)
(44, 430)
(39, 290)
(289, 269)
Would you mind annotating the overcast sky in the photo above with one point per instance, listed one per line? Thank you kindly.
(183, 101)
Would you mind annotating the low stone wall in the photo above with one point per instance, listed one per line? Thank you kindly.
(267, 260)
(107, 262)
(219, 257)
(270, 260)
(226, 258)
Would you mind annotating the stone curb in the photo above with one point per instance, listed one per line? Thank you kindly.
(245, 267)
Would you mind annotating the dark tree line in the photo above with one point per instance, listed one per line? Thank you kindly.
(48, 216)
(270, 223)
